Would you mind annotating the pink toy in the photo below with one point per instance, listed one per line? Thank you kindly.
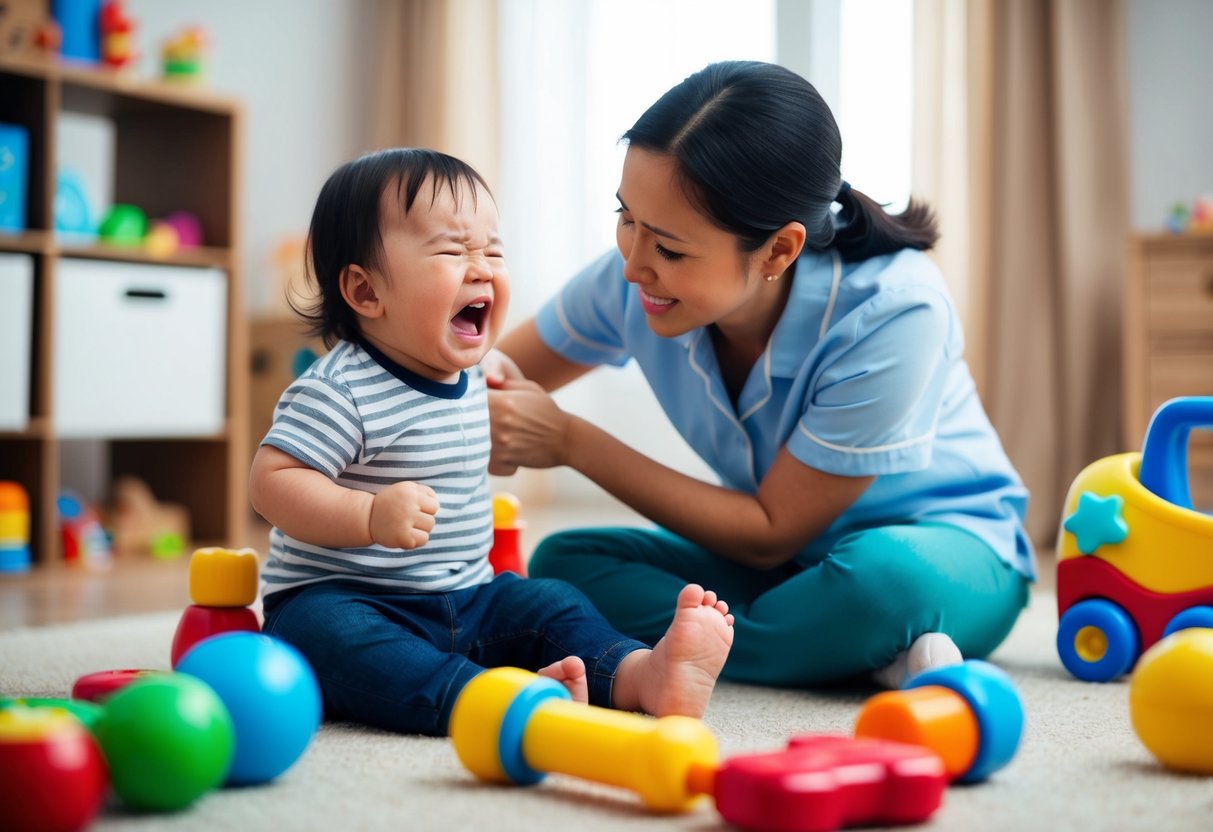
(188, 228)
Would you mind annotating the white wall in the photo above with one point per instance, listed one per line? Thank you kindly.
(1170, 67)
(300, 67)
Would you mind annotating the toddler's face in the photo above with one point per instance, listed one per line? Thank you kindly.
(445, 289)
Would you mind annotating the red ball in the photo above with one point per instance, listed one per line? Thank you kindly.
(52, 774)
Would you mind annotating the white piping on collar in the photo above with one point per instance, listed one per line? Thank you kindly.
(835, 282)
(766, 372)
(726, 411)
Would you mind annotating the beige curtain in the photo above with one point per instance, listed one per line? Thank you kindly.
(435, 82)
(1020, 145)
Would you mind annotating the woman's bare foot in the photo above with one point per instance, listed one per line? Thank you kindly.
(677, 676)
(570, 672)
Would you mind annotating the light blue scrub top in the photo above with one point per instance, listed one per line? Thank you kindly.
(864, 375)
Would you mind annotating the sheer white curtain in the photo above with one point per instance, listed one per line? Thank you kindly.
(575, 74)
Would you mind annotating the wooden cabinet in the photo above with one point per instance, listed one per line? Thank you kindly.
(1168, 337)
(174, 149)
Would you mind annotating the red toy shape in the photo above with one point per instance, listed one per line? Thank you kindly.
(52, 774)
(825, 782)
(199, 622)
(94, 687)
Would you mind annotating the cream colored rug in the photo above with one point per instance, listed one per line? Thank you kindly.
(1080, 765)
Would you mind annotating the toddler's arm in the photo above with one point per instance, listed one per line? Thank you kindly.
(307, 505)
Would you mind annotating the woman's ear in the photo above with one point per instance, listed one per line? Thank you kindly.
(359, 292)
(783, 248)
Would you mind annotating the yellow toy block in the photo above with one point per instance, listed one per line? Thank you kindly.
(223, 577)
(14, 527)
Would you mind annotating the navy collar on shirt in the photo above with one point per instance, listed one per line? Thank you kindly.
(421, 384)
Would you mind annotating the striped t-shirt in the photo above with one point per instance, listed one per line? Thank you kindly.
(367, 423)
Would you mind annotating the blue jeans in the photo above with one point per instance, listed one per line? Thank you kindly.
(398, 660)
(802, 624)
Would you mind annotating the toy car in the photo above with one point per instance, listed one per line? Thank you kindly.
(1135, 559)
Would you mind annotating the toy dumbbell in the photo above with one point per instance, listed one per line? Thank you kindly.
(512, 726)
(969, 714)
(223, 582)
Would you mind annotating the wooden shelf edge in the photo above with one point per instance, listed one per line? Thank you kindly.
(213, 256)
(119, 82)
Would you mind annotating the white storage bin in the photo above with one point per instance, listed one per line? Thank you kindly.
(140, 350)
(16, 333)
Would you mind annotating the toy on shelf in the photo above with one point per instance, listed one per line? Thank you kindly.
(1198, 219)
(506, 556)
(117, 35)
(223, 583)
(512, 726)
(78, 21)
(1135, 560)
(85, 542)
(124, 226)
(14, 176)
(183, 53)
(1171, 700)
(21, 21)
(54, 774)
(140, 525)
(969, 714)
(14, 528)
(271, 693)
(71, 212)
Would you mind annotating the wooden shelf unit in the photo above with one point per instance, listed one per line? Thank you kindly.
(175, 148)
(1168, 339)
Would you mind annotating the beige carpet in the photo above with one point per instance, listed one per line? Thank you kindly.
(1080, 765)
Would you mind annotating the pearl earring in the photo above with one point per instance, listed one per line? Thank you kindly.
(771, 278)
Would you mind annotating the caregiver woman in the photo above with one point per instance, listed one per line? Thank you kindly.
(867, 517)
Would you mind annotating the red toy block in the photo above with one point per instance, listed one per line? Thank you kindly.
(822, 783)
(95, 687)
(198, 622)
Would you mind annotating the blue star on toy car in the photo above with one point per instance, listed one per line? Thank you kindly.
(1097, 521)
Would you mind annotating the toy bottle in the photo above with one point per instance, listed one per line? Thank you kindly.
(14, 528)
(223, 583)
(505, 555)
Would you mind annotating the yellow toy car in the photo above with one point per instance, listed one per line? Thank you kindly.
(1135, 560)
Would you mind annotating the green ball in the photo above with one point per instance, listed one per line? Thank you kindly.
(168, 740)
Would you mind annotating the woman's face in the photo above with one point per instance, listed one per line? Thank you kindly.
(689, 273)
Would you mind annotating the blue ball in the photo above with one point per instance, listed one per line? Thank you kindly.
(270, 692)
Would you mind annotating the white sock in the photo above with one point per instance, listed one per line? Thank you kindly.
(929, 650)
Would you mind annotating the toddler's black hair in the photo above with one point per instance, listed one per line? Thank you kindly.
(345, 224)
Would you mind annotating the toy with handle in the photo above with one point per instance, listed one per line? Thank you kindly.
(512, 726)
(1164, 455)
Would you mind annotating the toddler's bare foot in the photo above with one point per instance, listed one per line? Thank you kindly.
(570, 672)
(677, 676)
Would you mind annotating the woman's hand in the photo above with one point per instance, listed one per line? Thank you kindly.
(499, 368)
(528, 428)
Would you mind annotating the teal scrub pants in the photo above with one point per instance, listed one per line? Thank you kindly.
(801, 625)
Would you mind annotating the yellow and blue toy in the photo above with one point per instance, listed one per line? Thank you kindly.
(1135, 559)
(513, 726)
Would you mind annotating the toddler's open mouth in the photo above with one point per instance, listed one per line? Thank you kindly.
(471, 320)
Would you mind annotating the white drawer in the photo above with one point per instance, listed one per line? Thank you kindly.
(140, 350)
(16, 332)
